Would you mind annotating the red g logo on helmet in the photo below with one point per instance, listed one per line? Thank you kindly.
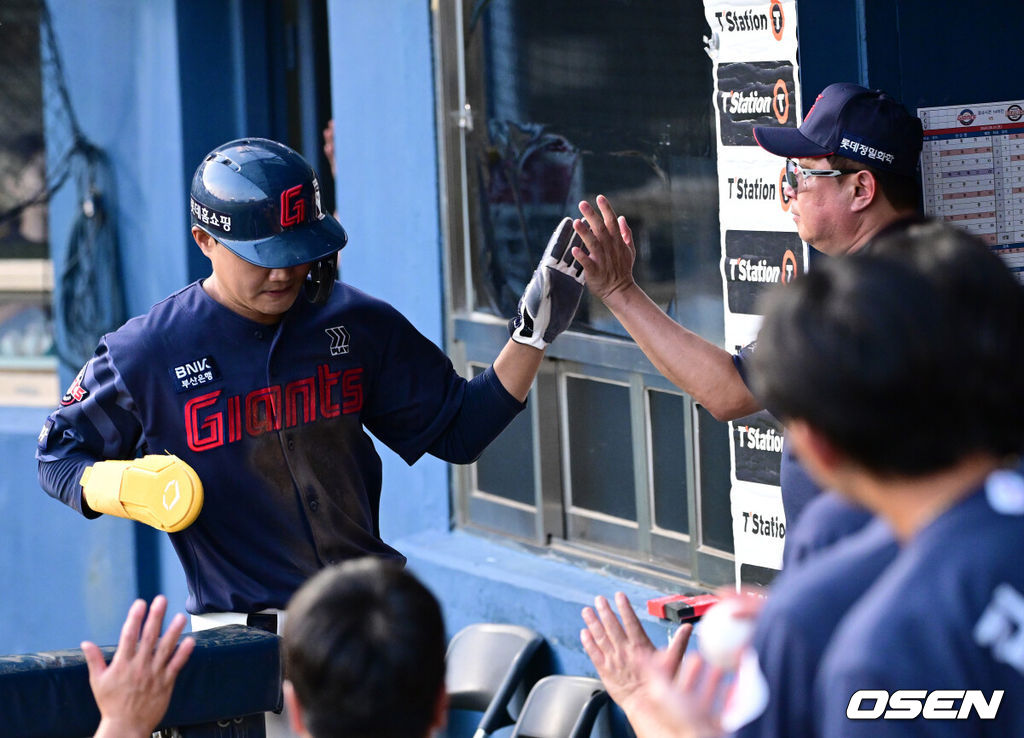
(293, 207)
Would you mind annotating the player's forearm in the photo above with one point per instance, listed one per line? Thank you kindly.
(701, 369)
(516, 367)
(59, 479)
(487, 409)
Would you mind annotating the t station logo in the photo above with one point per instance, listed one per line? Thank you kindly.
(747, 21)
(754, 94)
(784, 198)
(755, 260)
(757, 441)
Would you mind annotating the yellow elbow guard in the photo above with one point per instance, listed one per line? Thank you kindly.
(158, 490)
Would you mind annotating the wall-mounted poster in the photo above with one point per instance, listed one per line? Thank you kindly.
(754, 49)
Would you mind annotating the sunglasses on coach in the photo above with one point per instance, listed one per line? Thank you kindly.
(795, 174)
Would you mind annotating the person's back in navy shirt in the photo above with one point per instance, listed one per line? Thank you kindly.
(774, 689)
(947, 615)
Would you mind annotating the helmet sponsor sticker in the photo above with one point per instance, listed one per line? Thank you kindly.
(210, 217)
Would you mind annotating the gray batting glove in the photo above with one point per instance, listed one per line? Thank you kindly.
(552, 295)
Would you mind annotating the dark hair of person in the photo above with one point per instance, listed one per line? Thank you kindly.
(902, 192)
(907, 356)
(364, 647)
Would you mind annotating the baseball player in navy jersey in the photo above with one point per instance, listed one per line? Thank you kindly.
(236, 413)
(841, 196)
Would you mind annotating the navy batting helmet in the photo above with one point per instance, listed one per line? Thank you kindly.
(261, 200)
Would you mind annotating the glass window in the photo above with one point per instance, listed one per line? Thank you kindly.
(26, 276)
(668, 461)
(578, 98)
(544, 105)
(600, 457)
(505, 469)
(715, 511)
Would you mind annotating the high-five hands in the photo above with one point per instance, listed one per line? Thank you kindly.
(552, 295)
(608, 257)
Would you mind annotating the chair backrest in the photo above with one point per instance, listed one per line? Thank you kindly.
(561, 706)
(486, 664)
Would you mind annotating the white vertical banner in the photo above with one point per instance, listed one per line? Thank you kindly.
(753, 46)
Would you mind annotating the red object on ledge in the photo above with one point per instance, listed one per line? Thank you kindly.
(681, 608)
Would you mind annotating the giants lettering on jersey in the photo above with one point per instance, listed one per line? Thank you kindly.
(211, 421)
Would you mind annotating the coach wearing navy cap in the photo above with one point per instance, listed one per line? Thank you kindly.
(868, 145)
(851, 172)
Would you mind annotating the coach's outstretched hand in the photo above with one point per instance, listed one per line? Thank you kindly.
(608, 257)
(552, 295)
(134, 690)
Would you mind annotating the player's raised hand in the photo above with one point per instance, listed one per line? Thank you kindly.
(609, 255)
(134, 690)
(552, 295)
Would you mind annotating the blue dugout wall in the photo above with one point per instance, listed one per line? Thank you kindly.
(159, 83)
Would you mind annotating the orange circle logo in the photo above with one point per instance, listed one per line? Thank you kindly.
(778, 19)
(780, 101)
(788, 267)
(784, 199)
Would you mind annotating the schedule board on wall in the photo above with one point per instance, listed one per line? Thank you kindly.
(972, 172)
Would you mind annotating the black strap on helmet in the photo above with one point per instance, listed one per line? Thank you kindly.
(321, 278)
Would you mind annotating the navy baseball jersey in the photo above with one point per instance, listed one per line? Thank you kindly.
(272, 420)
(825, 520)
(944, 622)
(774, 688)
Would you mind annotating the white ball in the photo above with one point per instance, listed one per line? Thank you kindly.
(723, 633)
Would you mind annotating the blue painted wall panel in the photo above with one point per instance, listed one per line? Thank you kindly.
(63, 580)
(382, 93)
(75, 578)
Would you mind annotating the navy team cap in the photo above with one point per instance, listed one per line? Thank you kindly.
(853, 122)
